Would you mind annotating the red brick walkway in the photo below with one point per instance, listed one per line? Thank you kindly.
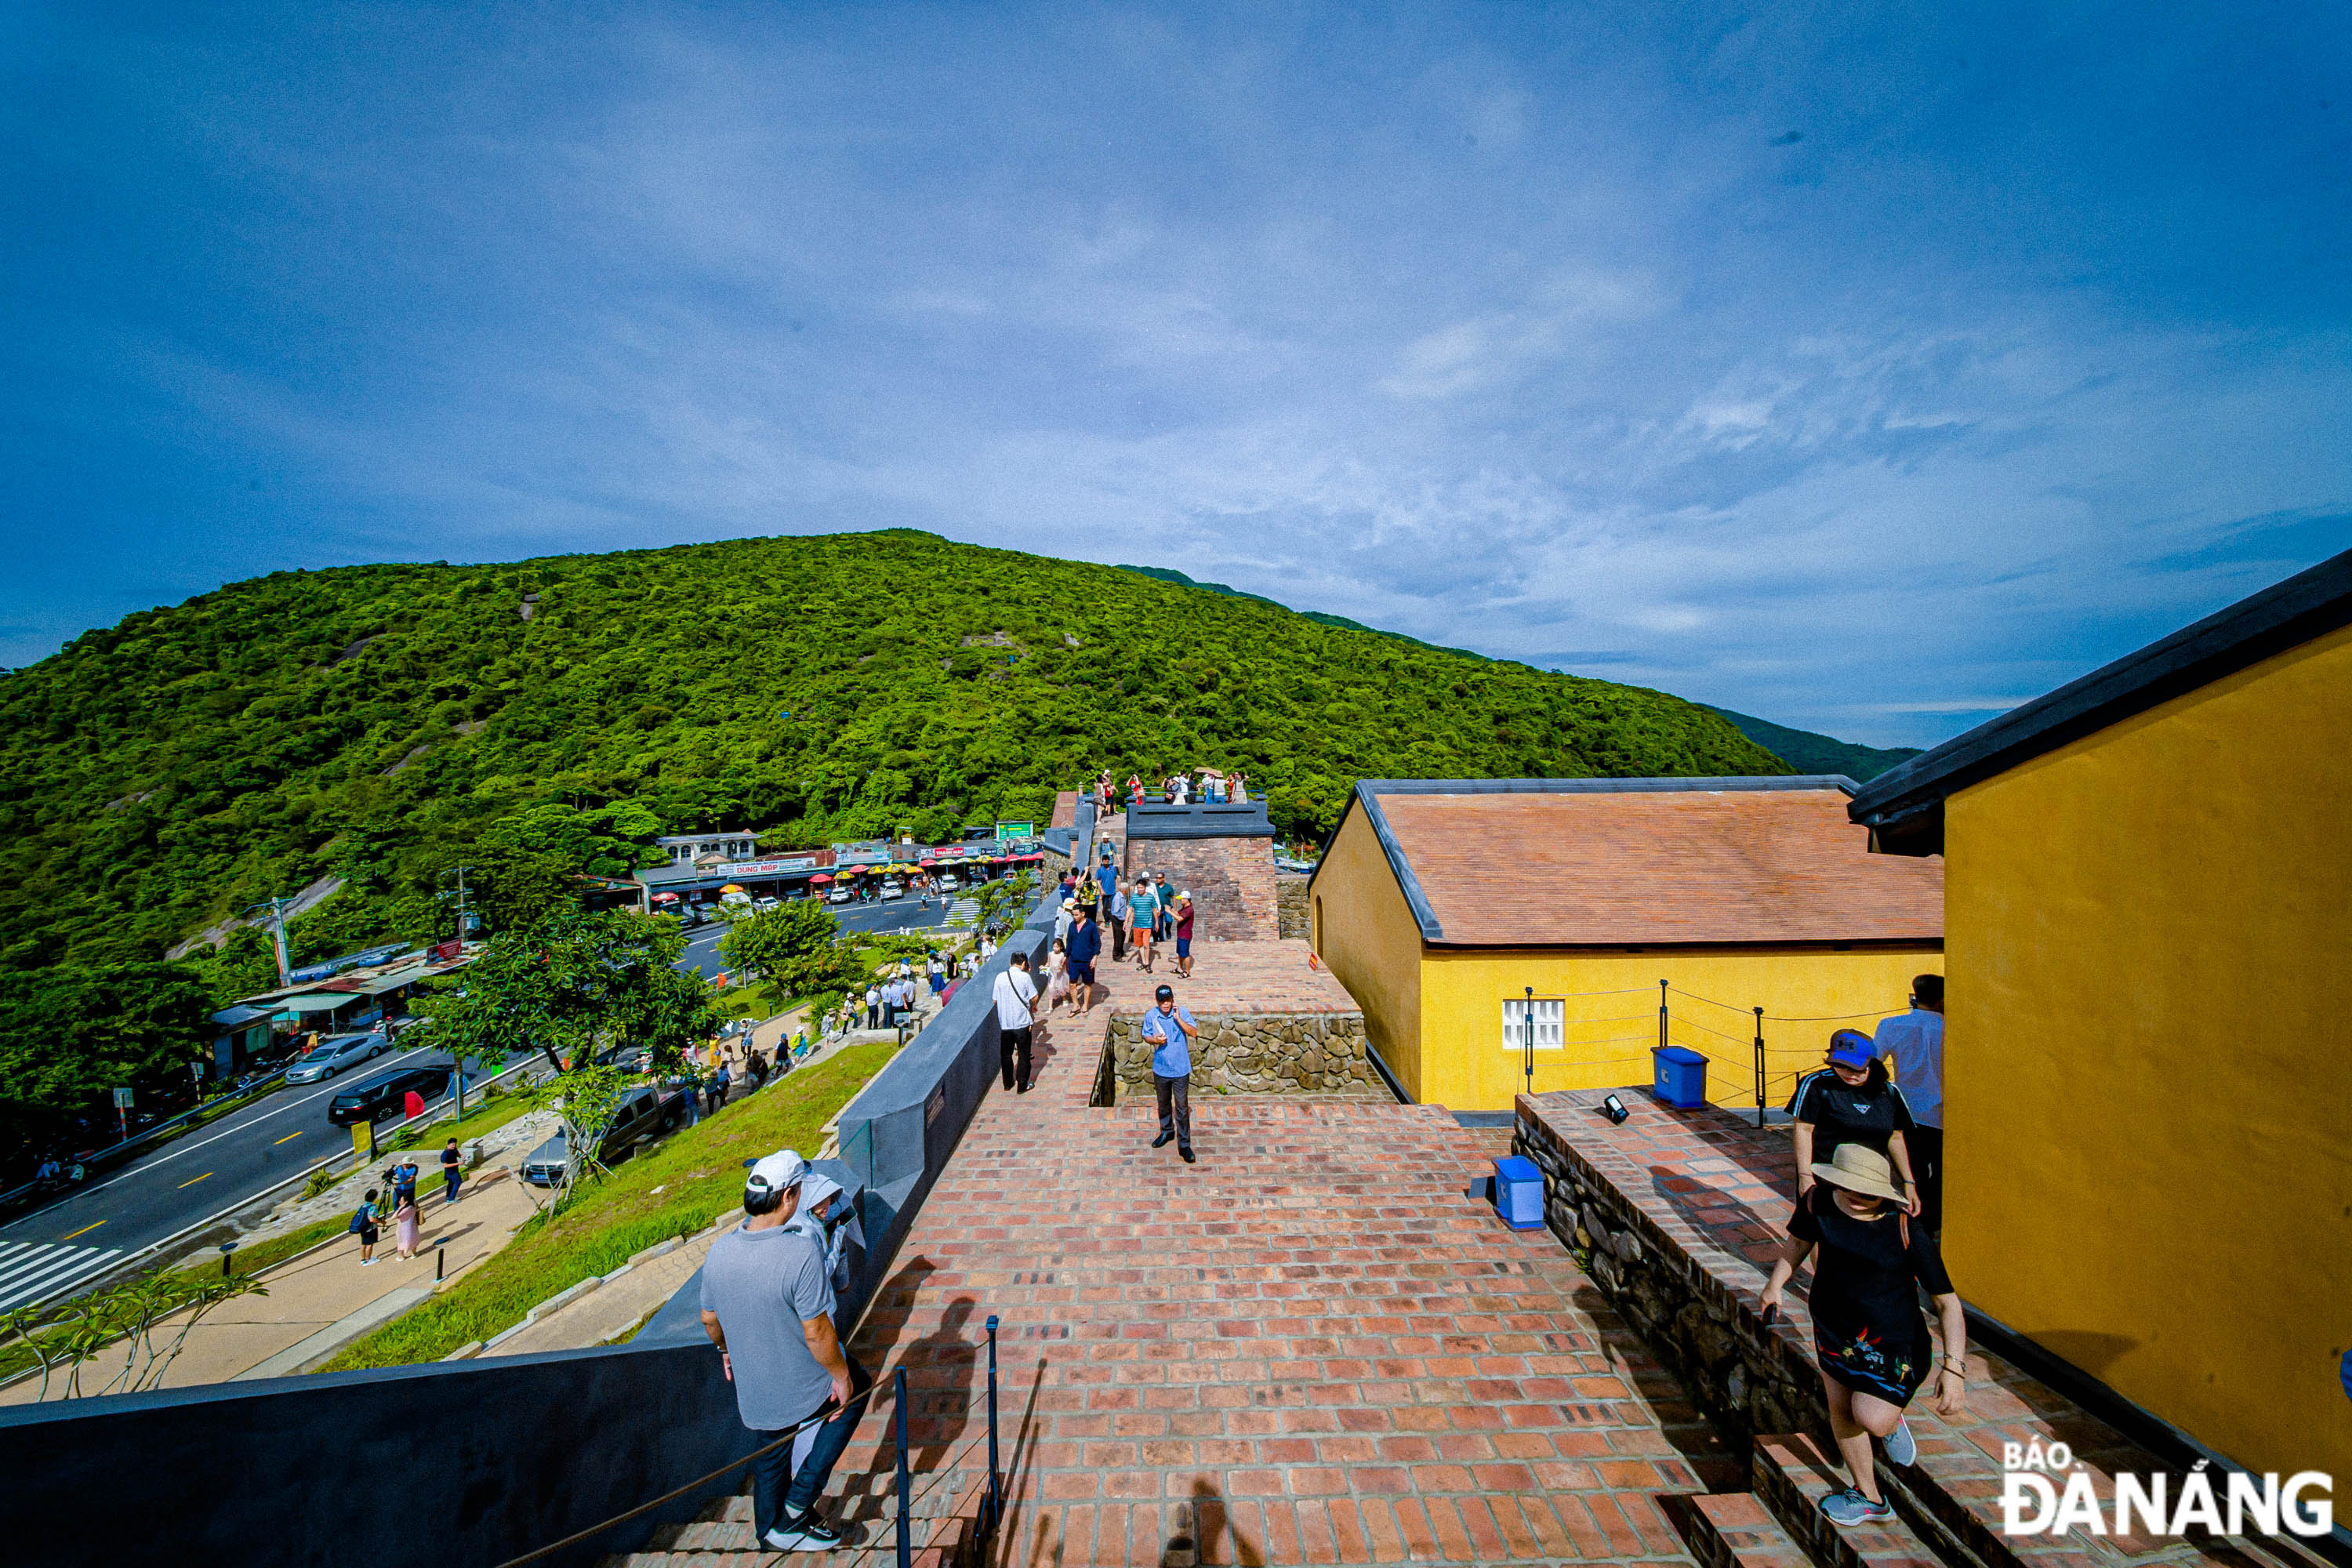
(1310, 1347)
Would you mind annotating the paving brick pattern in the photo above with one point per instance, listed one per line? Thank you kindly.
(1310, 1347)
(1721, 1190)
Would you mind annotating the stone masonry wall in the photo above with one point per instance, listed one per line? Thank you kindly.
(1290, 906)
(1231, 881)
(1743, 1377)
(1258, 1053)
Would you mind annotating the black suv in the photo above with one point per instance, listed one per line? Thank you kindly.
(647, 1110)
(381, 1098)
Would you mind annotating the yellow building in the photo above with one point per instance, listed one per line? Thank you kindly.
(1441, 905)
(2149, 1050)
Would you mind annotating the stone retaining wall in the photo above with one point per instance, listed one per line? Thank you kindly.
(1743, 1375)
(1258, 1053)
(1290, 906)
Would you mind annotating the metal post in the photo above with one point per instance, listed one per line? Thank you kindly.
(1662, 1042)
(1760, 1069)
(226, 1248)
(995, 1480)
(440, 1263)
(1527, 1041)
(906, 1486)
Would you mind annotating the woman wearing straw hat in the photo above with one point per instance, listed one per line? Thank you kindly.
(1872, 1343)
(1851, 1100)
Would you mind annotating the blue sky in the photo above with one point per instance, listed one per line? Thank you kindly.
(1869, 368)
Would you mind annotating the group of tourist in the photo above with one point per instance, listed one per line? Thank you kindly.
(1212, 787)
(1140, 914)
(1870, 1202)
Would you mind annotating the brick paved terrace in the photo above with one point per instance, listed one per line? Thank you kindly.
(1309, 1347)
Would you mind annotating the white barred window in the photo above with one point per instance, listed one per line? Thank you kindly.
(1548, 1013)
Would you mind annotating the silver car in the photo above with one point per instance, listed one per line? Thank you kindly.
(333, 1054)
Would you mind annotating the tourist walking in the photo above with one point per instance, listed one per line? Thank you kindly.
(1871, 1343)
(1169, 1030)
(1118, 914)
(1852, 1100)
(1913, 1042)
(1184, 936)
(1062, 918)
(453, 1172)
(788, 1365)
(404, 1222)
(1057, 974)
(363, 1226)
(1085, 943)
(1142, 918)
(1014, 993)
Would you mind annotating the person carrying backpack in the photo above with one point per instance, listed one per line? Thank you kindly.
(363, 1226)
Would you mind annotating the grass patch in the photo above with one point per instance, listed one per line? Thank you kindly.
(700, 1170)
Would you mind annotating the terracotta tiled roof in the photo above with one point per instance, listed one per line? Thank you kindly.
(1658, 866)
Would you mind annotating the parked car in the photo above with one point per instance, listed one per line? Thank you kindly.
(765, 902)
(893, 888)
(947, 883)
(382, 1098)
(333, 1054)
(840, 895)
(646, 1111)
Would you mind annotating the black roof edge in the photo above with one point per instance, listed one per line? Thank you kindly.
(1367, 794)
(1607, 786)
(2286, 614)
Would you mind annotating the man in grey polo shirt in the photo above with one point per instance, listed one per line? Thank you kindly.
(767, 1304)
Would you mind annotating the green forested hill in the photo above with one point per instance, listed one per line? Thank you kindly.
(1811, 753)
(381, 723)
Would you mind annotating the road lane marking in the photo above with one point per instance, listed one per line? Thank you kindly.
(288, 1139)
(205, 1177)
(183, 1148)
(30, 1273)
(83, 1231)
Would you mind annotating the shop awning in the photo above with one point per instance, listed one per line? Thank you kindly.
(319, 1002)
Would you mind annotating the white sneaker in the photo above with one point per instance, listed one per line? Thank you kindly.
(1901, 1447)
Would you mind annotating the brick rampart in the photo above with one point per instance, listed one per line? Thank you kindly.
(1231, 881)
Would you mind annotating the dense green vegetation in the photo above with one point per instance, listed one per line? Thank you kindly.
(1811, 753)
(383, 724)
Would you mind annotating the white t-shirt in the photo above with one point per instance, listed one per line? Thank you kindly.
(1013, 993)
(1916, 1041)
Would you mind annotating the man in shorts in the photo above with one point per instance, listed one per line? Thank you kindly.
(1085, 944)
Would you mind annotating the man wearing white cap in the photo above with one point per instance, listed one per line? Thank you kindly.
(767, 1304)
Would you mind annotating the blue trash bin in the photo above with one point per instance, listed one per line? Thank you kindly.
(1519, 1192)
(1681, 1076)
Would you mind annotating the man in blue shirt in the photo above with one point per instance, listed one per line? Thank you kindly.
(1169, 1030)
(1085, 942)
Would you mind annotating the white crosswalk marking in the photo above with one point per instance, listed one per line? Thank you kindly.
(31, 1271)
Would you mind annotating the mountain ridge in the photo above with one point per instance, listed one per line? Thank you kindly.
(384, 723)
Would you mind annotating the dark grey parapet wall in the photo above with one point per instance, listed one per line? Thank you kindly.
(494, 1458)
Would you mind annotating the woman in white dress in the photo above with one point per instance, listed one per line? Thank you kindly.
(1057, 976)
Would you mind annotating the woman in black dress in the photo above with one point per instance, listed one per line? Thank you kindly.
(1852, 1100)
(1873, 1343)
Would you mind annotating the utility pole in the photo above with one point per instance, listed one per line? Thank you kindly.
(277, 908)
(459, 1057)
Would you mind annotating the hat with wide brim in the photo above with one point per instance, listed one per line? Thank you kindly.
(1862, 1170)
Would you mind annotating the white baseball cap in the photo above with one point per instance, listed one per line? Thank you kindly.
(780, 1171)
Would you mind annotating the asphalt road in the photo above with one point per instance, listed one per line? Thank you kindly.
(193, 1176)
(702, 942)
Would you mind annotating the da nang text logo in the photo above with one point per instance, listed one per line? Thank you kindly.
(2045, 1492)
